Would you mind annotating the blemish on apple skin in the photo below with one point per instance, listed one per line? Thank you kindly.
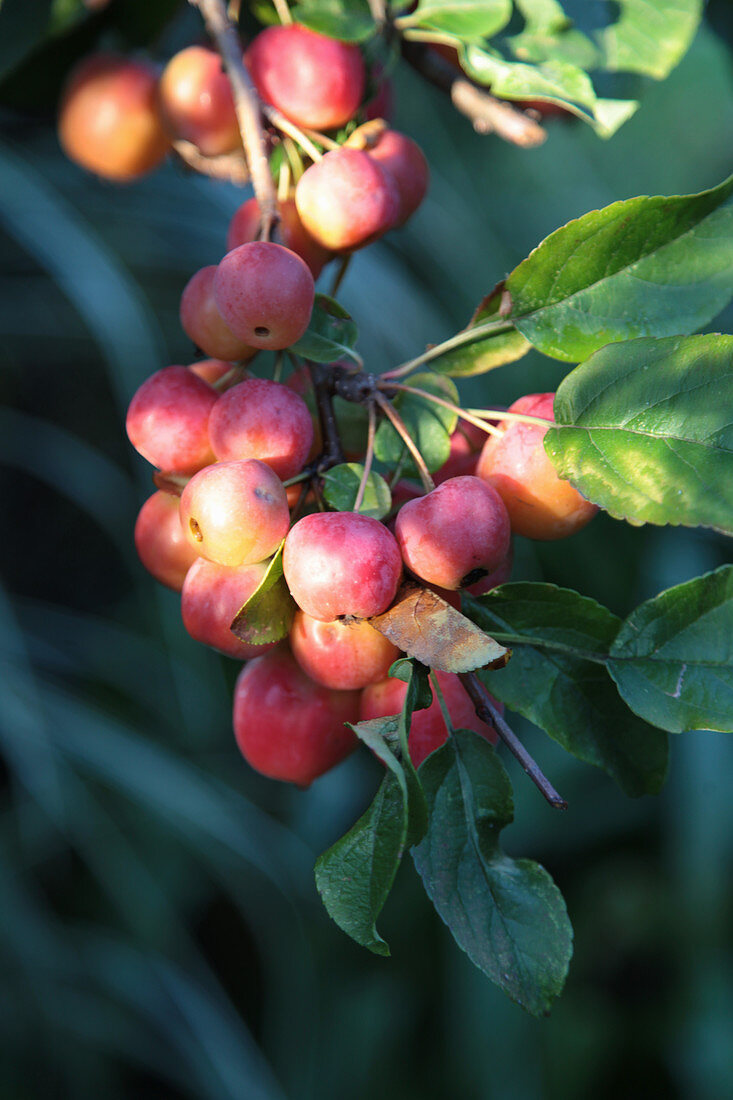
(263, 494)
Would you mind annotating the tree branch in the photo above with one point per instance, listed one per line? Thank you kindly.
(487, 113)
(247, 105)
(323, 387)
(488, 713)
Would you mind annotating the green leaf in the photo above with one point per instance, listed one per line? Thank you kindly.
(558, 680)
(341, 485)
(419, 695)
(268, 614)
(429, 425)
(506, 914)
(331, 333)
(347, 20)
(650, 36)
(491, 347)
(643, 267)
(644, 430)
(672, 659)
(465, 18)
(548, 34)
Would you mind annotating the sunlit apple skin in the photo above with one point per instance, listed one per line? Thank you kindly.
(161, 543)
(341, 563)
(428, 730)
(196, 101)
(245, 227)
(540, 504)
(212, 595)
(109, 121)
(235, 513)
(287, 726)
(265, 294)
(262, 419)
(202, 322)
(168, 420)
(347, 199)
(211, 370)
(405, 161)
(317, 82)
(450, 533)
(340, 655)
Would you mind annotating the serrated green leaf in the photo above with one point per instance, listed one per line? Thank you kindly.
(506, 914)
(643, 267)
(672, 659)
(650, 36)
(331, 333)
(644, 430)
(558, 680)
(341, 486)
(464, 18)
(347, 20)
(429, 425)
(268, 614)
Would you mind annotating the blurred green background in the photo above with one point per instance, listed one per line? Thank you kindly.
(161, 934)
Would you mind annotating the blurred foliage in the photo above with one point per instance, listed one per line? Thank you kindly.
(162, 935)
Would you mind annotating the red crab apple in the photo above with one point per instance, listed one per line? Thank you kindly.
(405, 161)
(212, 595)
(342, 655)
(109, 121)
(317, 82)
(202, 322)
(168, 418)
(196, 101)
(262, 419)
(235, 513)
(428, 730)
(245, 227)
(541, 505)
(347, 199)
(287, 726)
(265, 294)
(340, 564)
(457, 531)
(160, 541)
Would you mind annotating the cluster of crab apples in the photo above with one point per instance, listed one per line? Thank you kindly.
(236, 453)
(228, 448)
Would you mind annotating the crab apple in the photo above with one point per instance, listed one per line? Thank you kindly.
(428, 730)
(265, 420)
(202, 322)
(168, 420)
(342, 655)
(405, 161)
(265, 294)
(287, 726)
(212, 595)
(196, 101)
(540, 504)
(109, 121)
(160, 541)
(235, 513)
(316, 82)
(347, 199)
(340, 564)
(245, 227)
(211, 370)
(453, 532)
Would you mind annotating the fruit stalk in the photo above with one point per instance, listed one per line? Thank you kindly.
(247, 105)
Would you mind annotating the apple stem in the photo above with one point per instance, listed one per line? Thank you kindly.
(341, 270)
(231, 167)
(247, 106)
(478, 422)
(488, 713)
(467, 336)
(401, 428)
